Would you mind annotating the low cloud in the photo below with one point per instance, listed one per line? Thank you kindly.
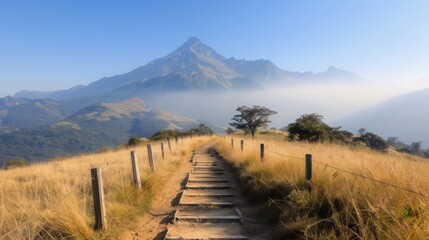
(332, 101)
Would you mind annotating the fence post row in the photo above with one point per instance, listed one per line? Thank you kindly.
(262, 152)
(98, 195)
(169, 144)
(136, 170)
(242, 145)
(232, 142)
(308, 167)
(151, 162)
(162, 151)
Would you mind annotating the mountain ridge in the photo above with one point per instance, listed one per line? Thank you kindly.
(195, 66)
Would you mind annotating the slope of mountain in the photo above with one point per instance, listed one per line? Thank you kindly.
(9, 102)
(194, 65)
(404, 116)
(90, 129)
(33, 113)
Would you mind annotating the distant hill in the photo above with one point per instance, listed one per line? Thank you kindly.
(10, 102)
(194, 65)
(90, 129)
(17, 113)
(404, 116)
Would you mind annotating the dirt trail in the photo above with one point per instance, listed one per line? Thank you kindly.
(211, 205)
(201, 201)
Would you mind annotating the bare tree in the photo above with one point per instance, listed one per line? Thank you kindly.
(252, 118)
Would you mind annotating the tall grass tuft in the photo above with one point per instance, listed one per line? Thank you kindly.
(53, 200)
(335, 204)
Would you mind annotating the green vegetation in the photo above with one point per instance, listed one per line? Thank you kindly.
(15, 163)
(251, 119)
(311, 128)
(373, 141)
(165, 134)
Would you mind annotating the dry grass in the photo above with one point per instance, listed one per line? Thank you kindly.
(53, 200)
(339, 205)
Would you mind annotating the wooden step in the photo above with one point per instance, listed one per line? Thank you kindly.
(194, 185)
(207, 180)
(199, 172)
(214, 169)
(202, 215)
(208, 193)
(206, 231)
(205, 201)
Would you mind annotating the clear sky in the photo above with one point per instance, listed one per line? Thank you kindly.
(49, 45)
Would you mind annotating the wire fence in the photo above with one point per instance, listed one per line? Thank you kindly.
(326, 165)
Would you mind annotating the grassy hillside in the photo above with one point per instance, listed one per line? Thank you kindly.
(54, 200)
(340, 205)
(90, 129)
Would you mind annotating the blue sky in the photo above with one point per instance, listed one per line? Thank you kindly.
(49, 45)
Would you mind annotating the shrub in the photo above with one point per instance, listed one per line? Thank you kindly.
(15, 163)
(311, 128)
(133, 141)
(373, 141)
(166, 133)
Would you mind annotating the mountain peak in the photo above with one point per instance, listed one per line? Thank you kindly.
(191, 43)
(193, 40)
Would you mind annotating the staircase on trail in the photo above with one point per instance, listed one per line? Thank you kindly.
(207, 206)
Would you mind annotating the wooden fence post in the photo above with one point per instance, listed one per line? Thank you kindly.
(151, 162)
(242, 145)
(162, 150)
(169, 144)
(232, 142)
(177, 140)
(262, 152)
(136, 170)
(308, 167)
(98, 194)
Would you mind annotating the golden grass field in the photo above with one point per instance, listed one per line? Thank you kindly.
(339, 205)
(53, 200)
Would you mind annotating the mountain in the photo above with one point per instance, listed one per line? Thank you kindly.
(9, 102)
(28, 113)
(90, 129)
(193, 66)
(404, 116)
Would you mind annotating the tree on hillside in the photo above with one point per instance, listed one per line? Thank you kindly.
(202, 129)
(250, 119)
(310, 127)
(373, 141)
(163, 134)
(416, 146)
(229, 131)
(362, 131)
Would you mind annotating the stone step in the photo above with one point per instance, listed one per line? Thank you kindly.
(206, 231)
(219, 193)
(194, 185)
(205, 201)
(202, 215)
